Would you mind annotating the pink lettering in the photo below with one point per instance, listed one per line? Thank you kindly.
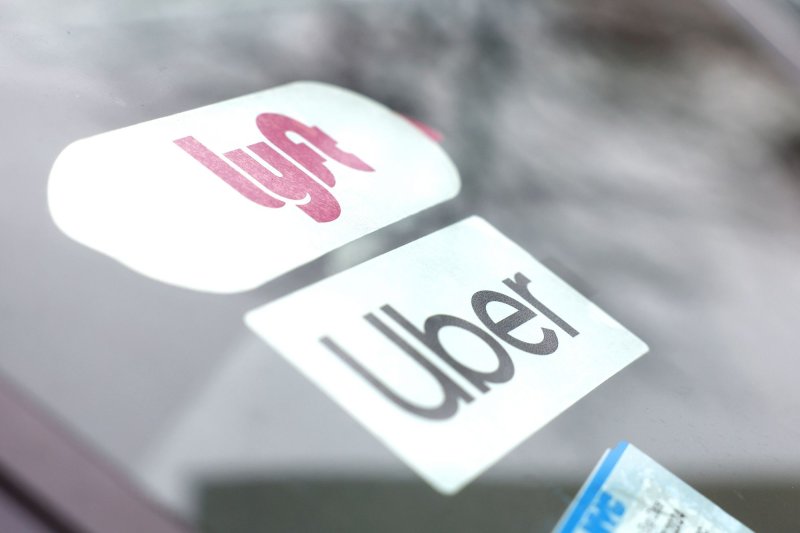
(275, 127)
(292, 183)
(287, 180)
(228, 174)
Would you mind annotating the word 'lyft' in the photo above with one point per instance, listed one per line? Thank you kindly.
(453, 393)
(290, 182)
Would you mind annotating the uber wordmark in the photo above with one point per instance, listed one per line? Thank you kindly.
(499, 332)
(450, 355)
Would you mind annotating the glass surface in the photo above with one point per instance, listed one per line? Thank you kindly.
(648, 154)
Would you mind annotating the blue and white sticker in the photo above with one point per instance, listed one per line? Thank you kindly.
(628, 492)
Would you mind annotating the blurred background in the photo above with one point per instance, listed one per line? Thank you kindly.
(648, 153)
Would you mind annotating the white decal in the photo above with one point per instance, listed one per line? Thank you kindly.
(451, 350)
(226, 197)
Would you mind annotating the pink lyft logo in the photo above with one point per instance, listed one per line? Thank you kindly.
(290, 183)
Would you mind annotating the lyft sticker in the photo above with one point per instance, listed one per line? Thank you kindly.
(451, 350)
(628, 492)
(226, 197)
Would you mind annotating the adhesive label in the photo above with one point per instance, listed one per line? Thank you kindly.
(628, 492)
(451, 350)
(226, 197)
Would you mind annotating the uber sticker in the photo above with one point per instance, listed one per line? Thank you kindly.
(226, 197)
(451, 350)
(628, 492)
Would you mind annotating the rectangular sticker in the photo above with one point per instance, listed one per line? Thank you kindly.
(226, 197)
(628, 492)
(451, 350)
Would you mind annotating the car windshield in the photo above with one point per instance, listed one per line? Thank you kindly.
(648, 154)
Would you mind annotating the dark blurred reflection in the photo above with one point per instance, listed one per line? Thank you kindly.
(361, 506)
(358, 506)
(21, 514)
